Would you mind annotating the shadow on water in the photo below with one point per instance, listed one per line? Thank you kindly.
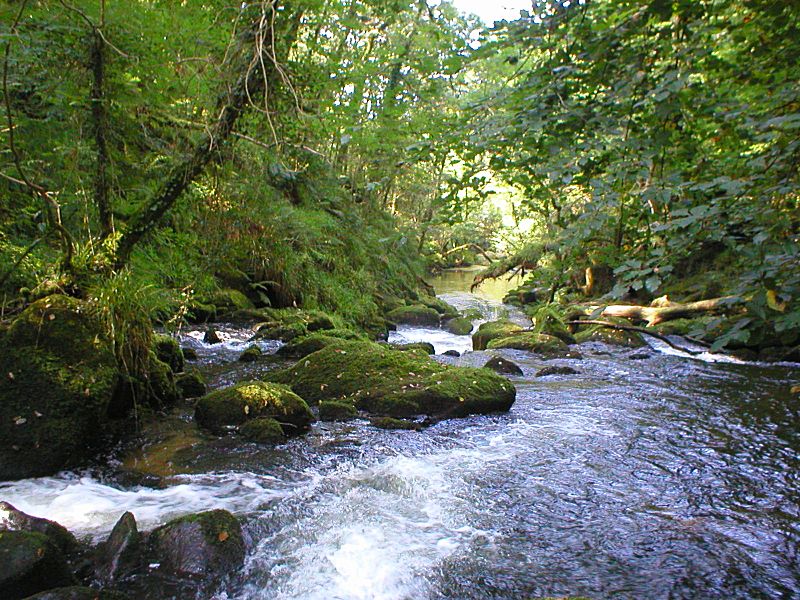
(660, 478)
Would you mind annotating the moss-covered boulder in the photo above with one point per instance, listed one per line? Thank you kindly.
(58, 387)
(307, 344)
(280, 331)
(423, 347)
(389, 382)
(445, 310)
(168, 351)
(492, 330)
(161, 388)
(391, 423)
(458, 326)
(251, 354)
(613, 337)
(416, 314)
(224, 410)
(13, 519)
(337, 410)
(204, 544)
(30, 563)
(228, 301)
(545, 345)
(263, 430)
(288, 324)
(191, 384)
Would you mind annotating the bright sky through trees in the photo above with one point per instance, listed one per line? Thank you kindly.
(493, 10)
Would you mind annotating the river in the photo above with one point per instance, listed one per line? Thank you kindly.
(664, 477)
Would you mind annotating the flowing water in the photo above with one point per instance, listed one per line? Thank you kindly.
(664, 477)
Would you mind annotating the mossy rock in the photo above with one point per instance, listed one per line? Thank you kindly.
(30, 563)
(392, 423)
(458, 326)
(280, 331)
(416, 314)
(445, 310)
(168, 351)
(492, 330)
(251, 354)
(189, 353)
(201, 312)
(222, 410)
(538, 343)
(385, 381)
(423, 347)
(613, 337)
(263, 430)
(191, 384)
(203, 544)
(337, 410)
(228, 301)
(307, 344)
(14, 519)
(59, 384)
(161, 388)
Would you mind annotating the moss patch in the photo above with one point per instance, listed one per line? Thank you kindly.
(337, 410)
(416, 314)
(493, 330)
(444, 309)
(458, 326)
(539, 343)
(168, 351)
(305, 345)
(385, 381)
(225, 409)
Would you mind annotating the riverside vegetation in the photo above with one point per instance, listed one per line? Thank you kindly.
(301, 166)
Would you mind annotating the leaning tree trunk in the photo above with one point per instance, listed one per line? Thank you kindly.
(257, 71)
(654, 315)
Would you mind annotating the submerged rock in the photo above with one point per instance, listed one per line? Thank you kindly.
(498, 364)
(204, 544)
(416, 314)
(389, 382)
(224, 410)
(59, 387)
(30, 563)
(556, 371)
(492, 330)
(120, 555)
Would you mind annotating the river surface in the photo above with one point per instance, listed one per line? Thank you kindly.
(659, 477)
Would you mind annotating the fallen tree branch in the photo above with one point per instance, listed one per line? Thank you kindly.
(654, 315)
(470, 245)
(658, 336)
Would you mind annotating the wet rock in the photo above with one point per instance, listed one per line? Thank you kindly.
(30, 563)
(285, 333)
(191, 384)
(12, 519)
(545, 345)
(388, 382)
(424, 347)
(416, 314)
(556, 371)
(455, 353)
(336, 410)
(211, 336)
(78, 593)
(204, 544)
(251, 354)
(498, 364)
(307, 344)
(161, 387)
(445, 310)
(264, 430)
(390, 423)
(189, 353)
(639, 356)
(223, 410)
(458, 326)
(59, 388)
(168, 351)
(493, 330)
(613, 337)
(119, 556)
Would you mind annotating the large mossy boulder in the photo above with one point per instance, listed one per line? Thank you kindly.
(13, 519)
(30, 563)
(206, 544)
(227, 409)
(613, 337)
(445, 310)
(545, 345)
(307, 344)
(337, 410)
(58, 385)
(287, 324)
(416, 314)
(384, 381)
(493, 330)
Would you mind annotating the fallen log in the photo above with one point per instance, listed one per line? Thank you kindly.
(653, 315)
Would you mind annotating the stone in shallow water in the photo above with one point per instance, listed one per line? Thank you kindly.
(556, 371)
(212, 337)
(251, 354)
(119, 555)
(498, 364)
